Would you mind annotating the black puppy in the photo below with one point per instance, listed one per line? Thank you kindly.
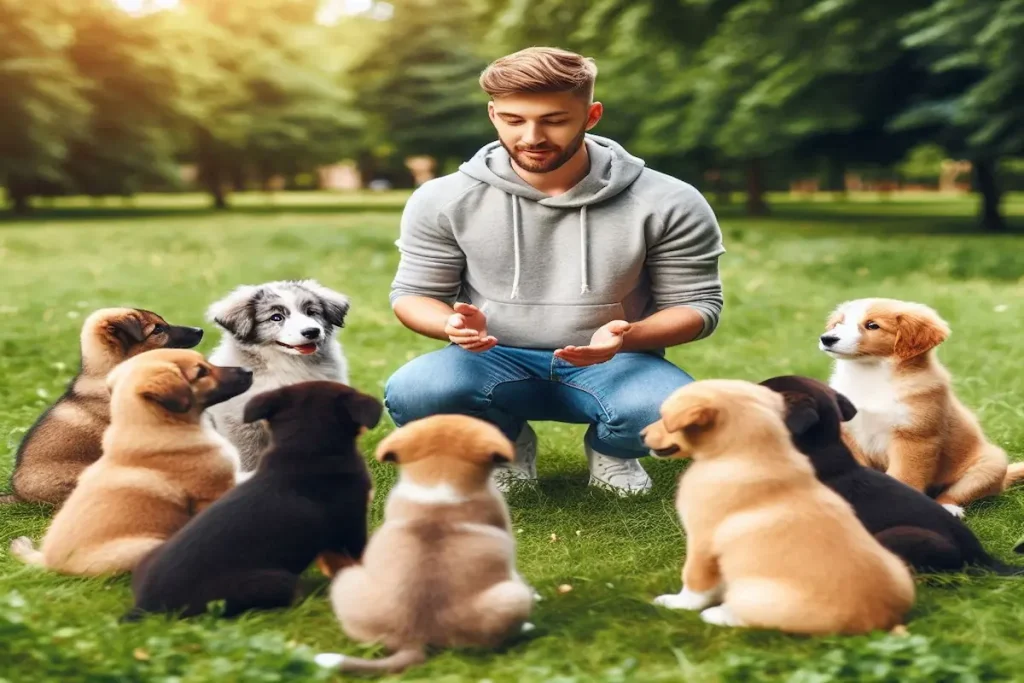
(307, 498)
(904, 520)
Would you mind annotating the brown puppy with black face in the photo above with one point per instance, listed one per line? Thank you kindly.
(909, 423)
(67, 437)
(441, 569)
(768, 545)
(160, 465)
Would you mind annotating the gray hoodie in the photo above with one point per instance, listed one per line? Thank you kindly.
(623, 243)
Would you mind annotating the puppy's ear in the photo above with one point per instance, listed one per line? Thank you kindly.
(692, 419)
(335, 304)
(846, 408)
(127, 331)
(390, 446)
(918, 332)
(234, 312)
(365, 410)
(168, 388)
(801, 412)
(263, 406)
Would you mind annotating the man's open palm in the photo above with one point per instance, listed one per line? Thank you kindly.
(604, 344)
(468, 328)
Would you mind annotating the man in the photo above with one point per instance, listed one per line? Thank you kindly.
(559, 268)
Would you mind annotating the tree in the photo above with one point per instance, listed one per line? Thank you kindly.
(976, 97)
(274, 101)
(43, 107)
(417, 82)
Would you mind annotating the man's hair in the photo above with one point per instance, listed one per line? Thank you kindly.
(540, 70)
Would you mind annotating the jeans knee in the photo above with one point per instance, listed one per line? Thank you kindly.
(413, 393)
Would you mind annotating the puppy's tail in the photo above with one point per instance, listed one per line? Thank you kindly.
(23, 549)
(392, 664)
(1014, 473)
(10, 499)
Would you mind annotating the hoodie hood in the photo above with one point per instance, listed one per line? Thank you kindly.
(612, 170)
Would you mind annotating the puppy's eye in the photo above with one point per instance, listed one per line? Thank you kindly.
(310, 312)
(871, 325)
(158, 329)
(277, 317)
(202, 372)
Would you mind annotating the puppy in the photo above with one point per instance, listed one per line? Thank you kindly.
(159, 466)
(768, 543)
(309, 495)
(66, 438)
(904, 520)
(909, 423)
(440, 571)
(286, 332)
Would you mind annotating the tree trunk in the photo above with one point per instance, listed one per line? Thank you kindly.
(985, 184)
(211, 172)
(835, 177)
(756, 206)
(18, 195)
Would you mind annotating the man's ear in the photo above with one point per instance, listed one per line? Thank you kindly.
(263, 406)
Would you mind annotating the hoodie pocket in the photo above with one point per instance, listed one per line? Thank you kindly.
(546, 326)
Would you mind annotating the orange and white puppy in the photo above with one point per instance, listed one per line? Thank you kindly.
(160, 466)
(440, 571)
(767, 544)
(909, 423)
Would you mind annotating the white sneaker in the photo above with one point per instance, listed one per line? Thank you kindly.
(624, 476)
(524, 467)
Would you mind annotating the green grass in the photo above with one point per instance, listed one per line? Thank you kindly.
(782, 276)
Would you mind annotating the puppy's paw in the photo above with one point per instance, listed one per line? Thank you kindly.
(721, 616)
(688, 599)
(954, 510)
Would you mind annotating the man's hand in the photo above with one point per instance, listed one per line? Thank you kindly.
(605, 343)
(468, 328)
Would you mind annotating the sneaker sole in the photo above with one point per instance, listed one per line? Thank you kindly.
(622, 492)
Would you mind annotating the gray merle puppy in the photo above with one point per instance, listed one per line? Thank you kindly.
(285, 333)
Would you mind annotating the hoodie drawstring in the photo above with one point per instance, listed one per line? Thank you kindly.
(584, 279)
(517, 227)
(515, 245)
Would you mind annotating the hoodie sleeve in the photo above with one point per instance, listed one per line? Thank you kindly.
(682, 261)
(431, 262)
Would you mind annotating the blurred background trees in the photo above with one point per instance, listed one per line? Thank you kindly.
(112, 97)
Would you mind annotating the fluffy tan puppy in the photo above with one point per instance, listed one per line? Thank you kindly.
(768, 545)
(159, 466)
(440, 571)
(909, 423)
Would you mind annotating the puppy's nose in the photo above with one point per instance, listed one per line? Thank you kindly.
(311, 332)
(245, 372)
(828, 340)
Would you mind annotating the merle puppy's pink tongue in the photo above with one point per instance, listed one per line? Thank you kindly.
(304, 349)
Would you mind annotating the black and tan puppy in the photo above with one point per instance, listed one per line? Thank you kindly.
(67, 437)
(308, 497)
(904, 520)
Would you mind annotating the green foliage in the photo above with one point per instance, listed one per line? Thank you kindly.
(924, 162)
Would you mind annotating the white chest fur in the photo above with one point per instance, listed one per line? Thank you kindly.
(871, 388)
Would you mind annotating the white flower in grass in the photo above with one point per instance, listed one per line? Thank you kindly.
(42, 393)
(1001, 308)
(74, 314)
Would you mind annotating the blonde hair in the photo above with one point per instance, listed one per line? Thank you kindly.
(540, 70)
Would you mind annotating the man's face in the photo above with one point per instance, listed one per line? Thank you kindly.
(542, 131)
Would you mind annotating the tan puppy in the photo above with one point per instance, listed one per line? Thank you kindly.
(909, 423)
(440, 571)
(159, 466)
(768, 543)
(66, 438)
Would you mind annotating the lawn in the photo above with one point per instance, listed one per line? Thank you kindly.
(782, 276)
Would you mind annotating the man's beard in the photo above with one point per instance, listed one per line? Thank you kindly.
(557, 161)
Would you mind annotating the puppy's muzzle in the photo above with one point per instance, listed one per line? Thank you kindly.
(180, 337)
(665, 452)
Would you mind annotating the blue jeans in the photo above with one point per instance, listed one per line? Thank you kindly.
(508, 386)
